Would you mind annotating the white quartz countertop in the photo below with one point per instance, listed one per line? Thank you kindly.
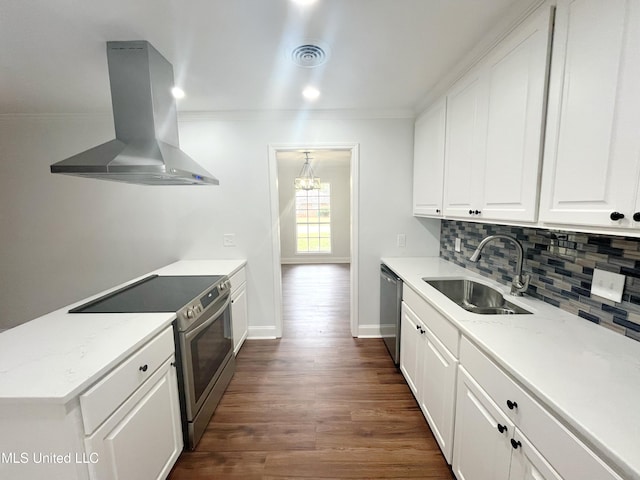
(59, 355)
(587, 375)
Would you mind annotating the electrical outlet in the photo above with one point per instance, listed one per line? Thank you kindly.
(458, 245)
(229, 240)
(607, 285)
(402, 240)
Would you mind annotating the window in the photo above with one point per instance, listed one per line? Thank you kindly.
(313, 220)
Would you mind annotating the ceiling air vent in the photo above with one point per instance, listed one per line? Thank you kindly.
(309, 55)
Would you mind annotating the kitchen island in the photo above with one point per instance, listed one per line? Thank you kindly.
(62, 375)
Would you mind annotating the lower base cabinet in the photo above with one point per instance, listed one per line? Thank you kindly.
(430, 371)
(143, 438)
(239, 318)
(488, 446)
(502, 433)
(126, 426)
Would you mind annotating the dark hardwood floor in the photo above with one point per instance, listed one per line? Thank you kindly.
(317, 403)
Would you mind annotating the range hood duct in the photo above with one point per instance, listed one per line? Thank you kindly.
(145, 150)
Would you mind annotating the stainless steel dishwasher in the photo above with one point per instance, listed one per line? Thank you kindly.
(390, 307)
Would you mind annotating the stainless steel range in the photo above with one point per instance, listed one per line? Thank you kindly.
(204, 340)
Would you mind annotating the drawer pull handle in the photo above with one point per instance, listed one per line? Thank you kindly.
(502, 428)
(144, 368)
(515, 444)
(511, 405)
(636, 217)
(615, 216)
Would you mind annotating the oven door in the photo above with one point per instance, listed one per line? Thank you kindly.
(205, 351)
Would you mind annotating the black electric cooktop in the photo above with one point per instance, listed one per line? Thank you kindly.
(152, 294)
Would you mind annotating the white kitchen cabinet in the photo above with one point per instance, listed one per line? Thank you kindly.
(465, 145)
(428, 161)
(437, 390)
(516, 74)
(592, 149)
(132, 417)
(546, 447)
(410, 347)
(527, 463)
(488, 445)
(126, 425)
(142, 438)
(239, 316)
(481, 451)
(428, 365)
(495, 117)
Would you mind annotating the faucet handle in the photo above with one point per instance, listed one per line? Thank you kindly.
(519, 285)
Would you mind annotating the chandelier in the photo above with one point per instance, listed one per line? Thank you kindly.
(306, 180)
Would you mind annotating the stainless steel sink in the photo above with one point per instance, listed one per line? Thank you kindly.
(476, 297)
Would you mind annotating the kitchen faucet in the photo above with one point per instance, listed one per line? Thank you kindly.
(520, 282)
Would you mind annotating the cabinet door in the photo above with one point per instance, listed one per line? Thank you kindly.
(592, 147)
(516, 74)
(465, 145)
(527, 463)
(239, 317)
(410, 341)
(437, 391)
(480, 450)
(428, 162)
(143, 438)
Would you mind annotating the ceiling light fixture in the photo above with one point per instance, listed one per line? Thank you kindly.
(306, 180)
(177, 92)
(311, 93)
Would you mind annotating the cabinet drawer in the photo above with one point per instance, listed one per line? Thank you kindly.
(442, 328)
(571, 458)
(238, 278)
(108, 394)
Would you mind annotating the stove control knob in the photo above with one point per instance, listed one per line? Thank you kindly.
(190, 313)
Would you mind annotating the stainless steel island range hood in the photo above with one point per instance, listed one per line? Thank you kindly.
(145, 150)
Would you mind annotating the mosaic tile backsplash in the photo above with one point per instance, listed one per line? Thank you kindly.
(561, 266)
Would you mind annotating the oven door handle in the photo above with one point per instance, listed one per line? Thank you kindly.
(212, 318)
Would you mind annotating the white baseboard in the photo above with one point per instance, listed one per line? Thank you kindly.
(369, 331)
(262, 333)
(314, 260)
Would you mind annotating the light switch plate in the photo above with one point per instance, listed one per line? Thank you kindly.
(607, 285)
(402, 240)
(229, 240)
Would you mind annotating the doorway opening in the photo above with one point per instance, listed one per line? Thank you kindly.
(315, 231)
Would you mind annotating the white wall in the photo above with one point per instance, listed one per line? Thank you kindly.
(65, 238)
(334, 170)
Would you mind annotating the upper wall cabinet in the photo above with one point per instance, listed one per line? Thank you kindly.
(494, 127)
(428, 161)
(592, 150)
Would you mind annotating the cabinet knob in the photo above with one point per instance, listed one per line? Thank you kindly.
(417, 327)
(636, 217)
(477, 212)
(515, 443)
(502, 428)
(615, 216)
(470, 212)
(437, 210)
(144, 368)
(511, 405)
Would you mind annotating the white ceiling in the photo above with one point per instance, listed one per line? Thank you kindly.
(229, 54)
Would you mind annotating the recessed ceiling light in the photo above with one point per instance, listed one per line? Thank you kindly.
(311, 93)
(177, 92)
